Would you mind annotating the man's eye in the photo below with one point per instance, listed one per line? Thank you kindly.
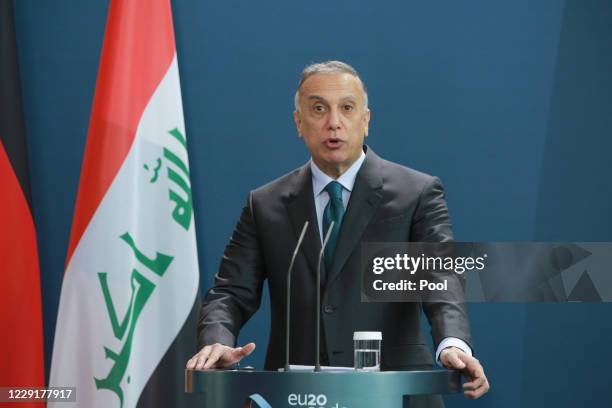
(319, 108)
(348, 107)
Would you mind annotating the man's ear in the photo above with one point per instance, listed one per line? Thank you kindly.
(298, 122)
(366, 125)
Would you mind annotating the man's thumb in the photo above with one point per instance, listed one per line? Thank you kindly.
(457, 362)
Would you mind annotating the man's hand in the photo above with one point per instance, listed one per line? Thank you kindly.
(219, 356)
(454, 358)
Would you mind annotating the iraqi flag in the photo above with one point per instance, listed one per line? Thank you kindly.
(131, 274)
(21, 341)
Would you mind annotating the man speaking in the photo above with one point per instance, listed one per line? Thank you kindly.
(368, 199)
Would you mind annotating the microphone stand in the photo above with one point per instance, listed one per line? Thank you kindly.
(295, 252)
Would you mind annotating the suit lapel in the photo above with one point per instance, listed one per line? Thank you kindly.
(365, 199)
(301, 208)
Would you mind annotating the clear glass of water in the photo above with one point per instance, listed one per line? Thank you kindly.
(367, 350)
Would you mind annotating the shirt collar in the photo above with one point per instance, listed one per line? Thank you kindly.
(347, 179)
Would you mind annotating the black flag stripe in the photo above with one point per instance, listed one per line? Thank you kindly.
(12, 126)
(166, 384)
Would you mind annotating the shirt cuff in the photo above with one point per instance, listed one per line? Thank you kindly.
(452, 342)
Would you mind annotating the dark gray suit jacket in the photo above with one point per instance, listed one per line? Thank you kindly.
(389, 203)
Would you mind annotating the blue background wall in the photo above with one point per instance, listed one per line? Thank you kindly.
(509, 102)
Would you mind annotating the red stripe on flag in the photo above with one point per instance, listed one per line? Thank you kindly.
(21, 342)
(137, 52)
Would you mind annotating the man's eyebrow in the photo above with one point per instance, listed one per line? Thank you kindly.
(344, 98)
(317, 98)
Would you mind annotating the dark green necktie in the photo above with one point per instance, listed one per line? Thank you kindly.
(333, 212)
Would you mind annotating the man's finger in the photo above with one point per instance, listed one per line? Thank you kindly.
(190, 363)
(215, 354)
(474, 384)
(239, 353)
(474, 369)
(479, 392)
(201, 357)
(471, 394)
(246, 349)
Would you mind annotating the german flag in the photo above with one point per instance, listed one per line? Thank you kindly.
(21, 342)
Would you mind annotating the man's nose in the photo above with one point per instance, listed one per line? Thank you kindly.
(334, 122)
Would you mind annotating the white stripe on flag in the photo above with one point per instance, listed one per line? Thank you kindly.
(148, 210)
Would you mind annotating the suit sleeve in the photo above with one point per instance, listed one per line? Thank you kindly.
(237, 291)
(447, 317)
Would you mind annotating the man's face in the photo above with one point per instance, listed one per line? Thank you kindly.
(333, 120)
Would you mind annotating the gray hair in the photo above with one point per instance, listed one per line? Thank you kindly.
(326, 68)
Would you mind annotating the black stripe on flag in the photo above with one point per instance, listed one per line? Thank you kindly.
(12, 126)
(166, 387)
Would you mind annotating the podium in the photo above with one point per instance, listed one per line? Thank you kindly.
(327, 389)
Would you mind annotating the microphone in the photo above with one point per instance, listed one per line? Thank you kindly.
(318, 328)
(295, 252)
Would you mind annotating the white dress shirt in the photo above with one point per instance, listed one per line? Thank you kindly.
(347, 180)
(320, 180)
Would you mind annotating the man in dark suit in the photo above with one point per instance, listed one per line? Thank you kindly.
(370, 200)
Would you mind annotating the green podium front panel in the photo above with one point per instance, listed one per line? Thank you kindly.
(353, 389)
